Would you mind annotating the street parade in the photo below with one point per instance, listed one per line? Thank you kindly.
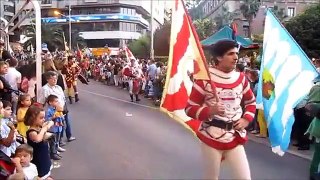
(172, 89)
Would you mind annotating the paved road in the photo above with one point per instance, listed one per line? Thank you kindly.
(147, 145)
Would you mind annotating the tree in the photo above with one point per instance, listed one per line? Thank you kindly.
(305, 29)
(225, 17)
(50, 34)
(162, 40)
(76, 38)
(249, 10)
(141, 47)
(204, 27)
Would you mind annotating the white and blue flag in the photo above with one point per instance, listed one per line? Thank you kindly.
(286, 77)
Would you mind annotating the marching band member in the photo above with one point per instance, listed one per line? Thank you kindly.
(134, 74)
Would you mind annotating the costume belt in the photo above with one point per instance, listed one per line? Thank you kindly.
(228, 126)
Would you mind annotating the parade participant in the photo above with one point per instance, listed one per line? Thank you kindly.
(134, 75)
(313, 109)
(217, 104)
(4, 54)
(85, 66)
(45, 54)
(72, 70)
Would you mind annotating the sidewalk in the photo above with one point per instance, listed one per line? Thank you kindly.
(292, 149)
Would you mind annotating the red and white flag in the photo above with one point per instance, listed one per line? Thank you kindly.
(185, 57)
(129, 54)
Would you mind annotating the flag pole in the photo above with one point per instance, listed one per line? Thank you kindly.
(201, 51)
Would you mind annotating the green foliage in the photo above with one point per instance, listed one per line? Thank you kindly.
(225, 17)
(249, 10)
(141, 47)
(50, 34)
(162, 40)
(76, 38)
(204, 27)
(305, 29)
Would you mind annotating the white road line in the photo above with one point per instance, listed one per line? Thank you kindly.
(150, 107)
(117, 99)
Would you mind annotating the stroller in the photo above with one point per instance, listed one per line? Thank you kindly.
(6, 166)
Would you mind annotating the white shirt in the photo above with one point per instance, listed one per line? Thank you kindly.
(13, 77)
(4, 131)
(30, 172)
(55, 90)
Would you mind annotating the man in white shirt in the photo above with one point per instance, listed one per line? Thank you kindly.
(52, 88)
(14, 78)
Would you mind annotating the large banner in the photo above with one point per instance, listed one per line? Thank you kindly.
(286, 77)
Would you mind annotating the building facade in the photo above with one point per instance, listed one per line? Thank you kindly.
(290, 8)
(104, 22)
(7, 11)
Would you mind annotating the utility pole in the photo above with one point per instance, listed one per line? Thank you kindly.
(151, 27)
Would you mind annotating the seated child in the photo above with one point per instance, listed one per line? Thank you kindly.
(22, 158)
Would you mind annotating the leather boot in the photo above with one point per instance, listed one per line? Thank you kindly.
(70, 100)
(76, 97)
(137, 98)
(131, 97)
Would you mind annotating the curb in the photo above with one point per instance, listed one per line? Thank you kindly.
(293, 152)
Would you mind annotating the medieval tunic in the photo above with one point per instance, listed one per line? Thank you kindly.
(71, 72)
(233, 90)
(134, 75)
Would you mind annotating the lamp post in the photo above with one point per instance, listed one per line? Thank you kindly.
(69, 17)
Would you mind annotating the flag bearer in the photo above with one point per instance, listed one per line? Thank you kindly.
(225, 105)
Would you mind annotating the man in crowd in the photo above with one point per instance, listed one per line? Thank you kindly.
(4, 54)
(52, 88)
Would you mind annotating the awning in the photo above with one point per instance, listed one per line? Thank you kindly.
(225, 33)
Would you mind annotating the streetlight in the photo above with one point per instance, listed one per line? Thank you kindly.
(58, 13)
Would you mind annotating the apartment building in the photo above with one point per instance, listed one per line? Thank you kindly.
(212, 9)
(7, 11)
(101, 22)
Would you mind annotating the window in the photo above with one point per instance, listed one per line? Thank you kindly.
(8, 8)
(291, 11)
(46, 1)
(129, 27)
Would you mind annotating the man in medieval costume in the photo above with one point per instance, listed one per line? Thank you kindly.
(225, 105)
(134, 74)
(71, 71)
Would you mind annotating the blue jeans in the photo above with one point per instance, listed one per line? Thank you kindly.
(67, 128)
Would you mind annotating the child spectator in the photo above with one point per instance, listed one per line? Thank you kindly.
(22, 161)
(55, 113)
(8, 143)
(37, 137)
(24, 103)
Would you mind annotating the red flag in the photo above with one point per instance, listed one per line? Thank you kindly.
(129, 54)
(186, 57)
(79, 52)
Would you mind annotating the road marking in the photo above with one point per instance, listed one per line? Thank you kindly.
(117, 99)
(150, 107)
